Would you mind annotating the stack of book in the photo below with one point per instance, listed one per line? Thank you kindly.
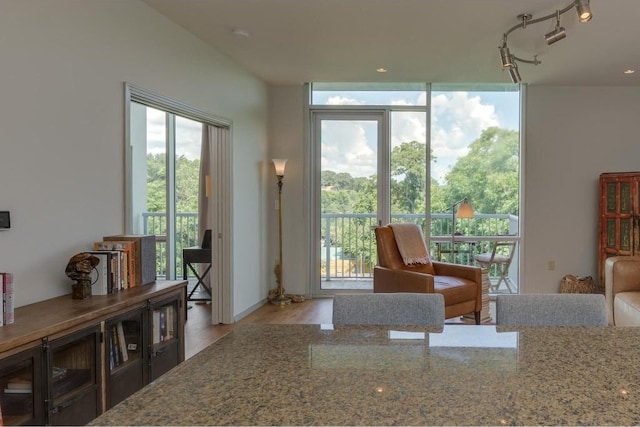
(7, 315)
(126, 261)
(19, 385)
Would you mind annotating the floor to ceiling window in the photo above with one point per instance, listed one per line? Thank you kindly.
(409, 152)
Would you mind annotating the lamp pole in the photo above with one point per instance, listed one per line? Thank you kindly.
(465, 210)
(280, 297)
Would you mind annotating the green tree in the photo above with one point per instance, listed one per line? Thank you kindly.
(488, 174)
(408, 176)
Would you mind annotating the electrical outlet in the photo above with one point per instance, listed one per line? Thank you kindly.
(551, 265)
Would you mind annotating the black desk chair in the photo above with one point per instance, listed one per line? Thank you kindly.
(198, 255)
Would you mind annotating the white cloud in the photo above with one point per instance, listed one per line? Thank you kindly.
(340, 100)
(346, 147)
(457, 120)
(188, 135)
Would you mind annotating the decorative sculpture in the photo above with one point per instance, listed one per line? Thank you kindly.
(79, 268)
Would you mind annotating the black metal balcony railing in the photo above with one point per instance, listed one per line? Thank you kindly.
(348, 248)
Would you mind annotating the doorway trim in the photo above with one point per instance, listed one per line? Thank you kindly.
(221, 275)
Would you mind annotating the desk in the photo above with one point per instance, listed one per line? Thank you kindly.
(190, 257)
(267, 374)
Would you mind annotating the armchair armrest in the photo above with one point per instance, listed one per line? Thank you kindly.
(621, 274)
(391, 280)
(462, 271)
(468, 272)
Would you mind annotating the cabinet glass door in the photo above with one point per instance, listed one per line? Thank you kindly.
(165, 339)
(73, 371)
(21, 399)
(125, 359)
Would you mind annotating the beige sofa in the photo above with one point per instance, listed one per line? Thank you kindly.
(622, 290)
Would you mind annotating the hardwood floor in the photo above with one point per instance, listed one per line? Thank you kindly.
(200, 333)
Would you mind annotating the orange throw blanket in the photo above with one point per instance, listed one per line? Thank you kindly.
(410, 243)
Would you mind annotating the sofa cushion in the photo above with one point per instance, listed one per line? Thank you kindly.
(626, 309)
(455, 289)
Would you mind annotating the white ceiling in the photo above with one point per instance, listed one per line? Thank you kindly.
(443, 41)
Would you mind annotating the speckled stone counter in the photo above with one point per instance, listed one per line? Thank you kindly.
(465, 375)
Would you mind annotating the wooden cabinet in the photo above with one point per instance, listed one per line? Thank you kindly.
(73, 359)
(142, 344)
(125, 355)
(619, 217)
(21, 394)
(73, 377)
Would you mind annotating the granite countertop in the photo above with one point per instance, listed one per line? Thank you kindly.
(466, 375)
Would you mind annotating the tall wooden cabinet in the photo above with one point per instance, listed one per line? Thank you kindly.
(619, 217)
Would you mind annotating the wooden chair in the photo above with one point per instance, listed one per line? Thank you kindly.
(501, 256)
(401, 308)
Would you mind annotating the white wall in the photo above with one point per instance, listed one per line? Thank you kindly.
(62, 125)
(286, 140)
(573, 134)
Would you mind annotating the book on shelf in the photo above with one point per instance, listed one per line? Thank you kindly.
(170, 323)
(101, 274)
(122, 342)
(18, 390)
(19, 385)
(105, 278)
(2, 305)
(156, 327)
(144, 256)
(8, 295)
(127, 268)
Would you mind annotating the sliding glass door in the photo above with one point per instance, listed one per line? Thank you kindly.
(166, 172)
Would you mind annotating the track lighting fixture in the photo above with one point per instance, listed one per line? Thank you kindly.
(514, 73)
(558, 33)
(584, 10)
(505, 56)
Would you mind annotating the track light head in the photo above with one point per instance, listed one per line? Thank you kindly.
(505, 56)
(557, 34)
(584, 11)
(514, 73)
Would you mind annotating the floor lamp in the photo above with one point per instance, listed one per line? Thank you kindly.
(279, 298)
(465, 210)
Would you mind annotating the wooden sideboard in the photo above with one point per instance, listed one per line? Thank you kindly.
(65, 361)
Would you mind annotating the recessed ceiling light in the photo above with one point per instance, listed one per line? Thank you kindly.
(240, 32)
(381, 70)
(629, 71)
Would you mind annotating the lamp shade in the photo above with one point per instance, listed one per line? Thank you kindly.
(465, 210)
(279, 165)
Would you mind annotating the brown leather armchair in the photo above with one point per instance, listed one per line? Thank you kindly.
(461, 285)
(622, 290)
